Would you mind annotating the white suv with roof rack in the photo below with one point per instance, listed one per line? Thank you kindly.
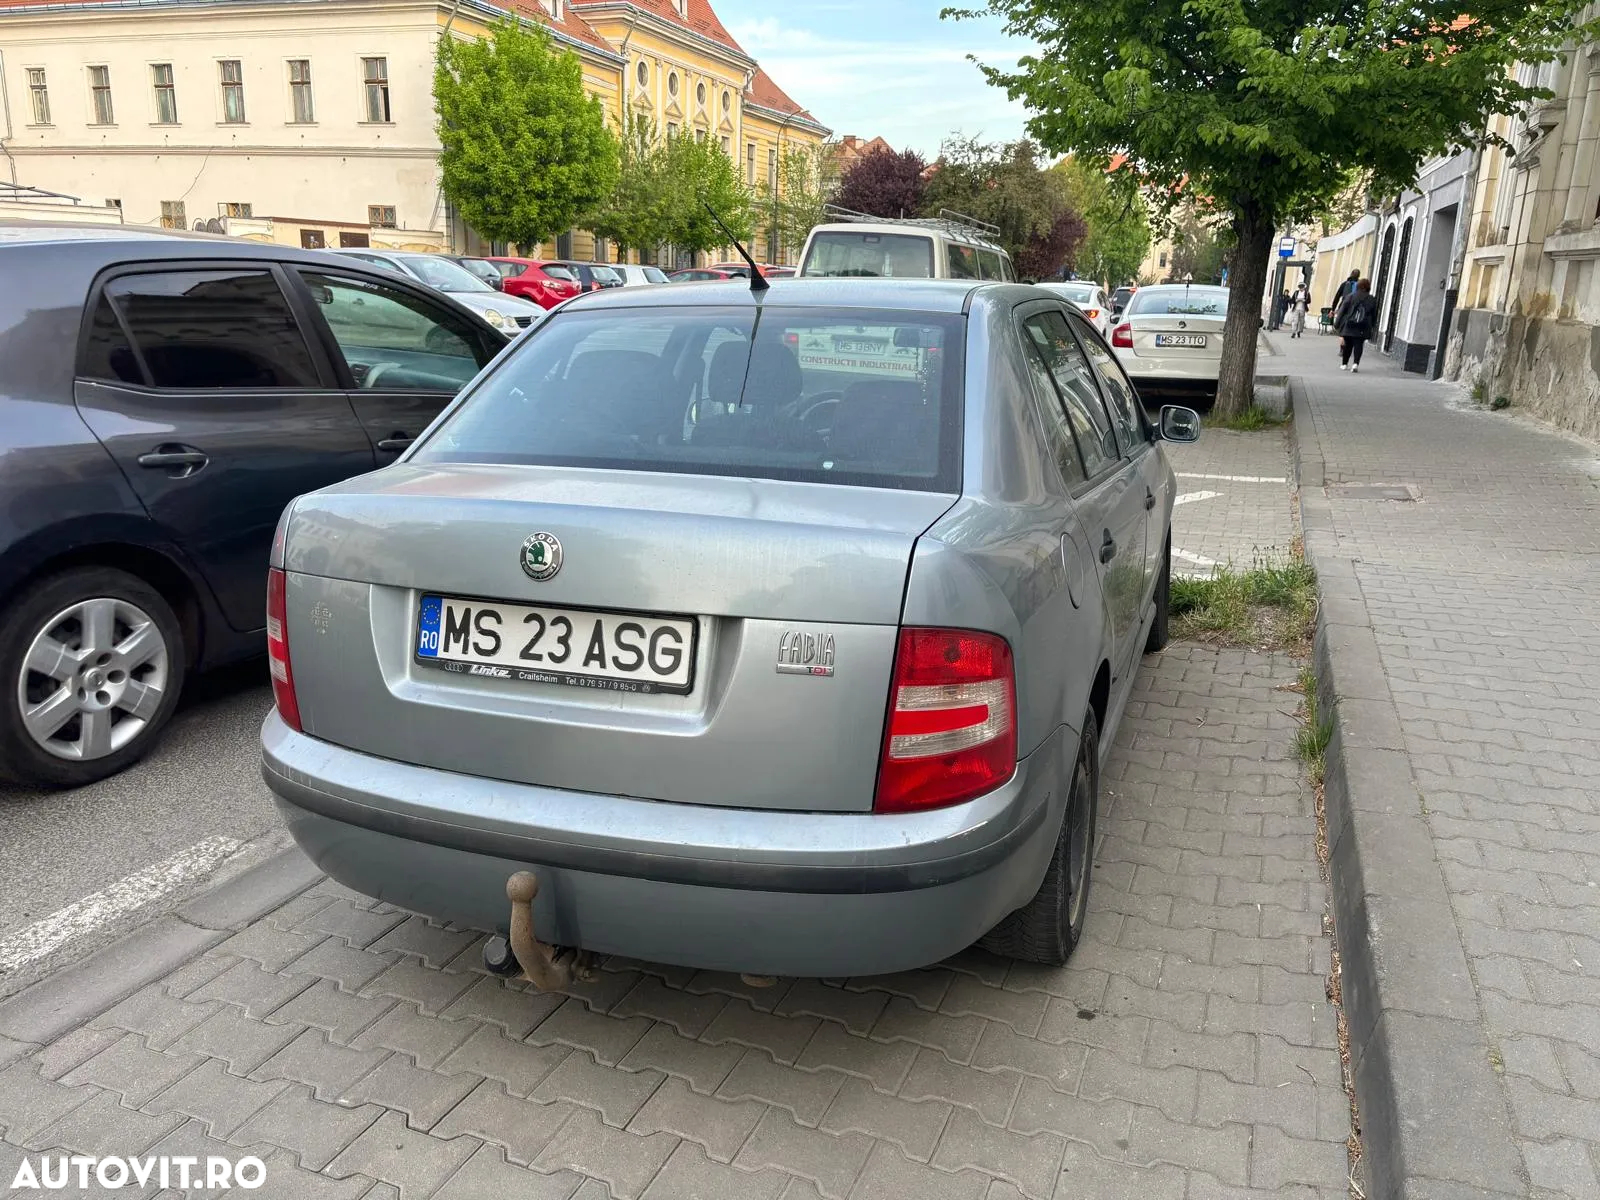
(949, 246)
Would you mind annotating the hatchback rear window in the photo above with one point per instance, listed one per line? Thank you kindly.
(555, 271)
(878, 255)
(848, 396)
(1192, 301)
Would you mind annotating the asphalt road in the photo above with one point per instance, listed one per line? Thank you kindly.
(68, 857)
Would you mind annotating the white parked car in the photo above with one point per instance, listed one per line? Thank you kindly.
(1169, 338)
(1088, 298)
(506, 313)
(634, 275)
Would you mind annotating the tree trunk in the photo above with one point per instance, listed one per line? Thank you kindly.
(1247, 282)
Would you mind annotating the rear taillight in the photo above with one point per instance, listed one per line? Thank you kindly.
(278, 649)
(1122, 336)
(952, 720)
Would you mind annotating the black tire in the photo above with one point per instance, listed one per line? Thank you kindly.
(24, 759)
(1046, 929)
(1158, 636)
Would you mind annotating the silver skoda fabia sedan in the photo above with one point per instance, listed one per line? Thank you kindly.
(777, 632)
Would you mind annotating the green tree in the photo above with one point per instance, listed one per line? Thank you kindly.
(806, 184)
(525, 150)
(634, 215)
(1199, 249)
(1118, 223)
(1005, 186)
(700, 173)
(1269, 107)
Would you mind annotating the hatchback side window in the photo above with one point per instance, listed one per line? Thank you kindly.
(107, 353)
(223, 329)
(393, 340)
(1074, 380)
(1058, 433)
(1120, 397)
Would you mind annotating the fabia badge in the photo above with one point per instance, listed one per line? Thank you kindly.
(801, 653)
(541, 556)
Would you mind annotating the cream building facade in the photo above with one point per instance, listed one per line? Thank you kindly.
(312, 122)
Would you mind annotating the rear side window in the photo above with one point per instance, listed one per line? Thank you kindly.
(989, 261)
(963, 261)
(219, 329)
(1075, 384)
(846, 253)
(1114, 386)
(848, 396)
(511, 269)
(108, 354)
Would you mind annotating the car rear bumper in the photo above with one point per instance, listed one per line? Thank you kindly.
(780, 893)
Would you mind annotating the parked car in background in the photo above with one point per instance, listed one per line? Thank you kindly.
(634, 275)
(1120, 298)
(706, 275)
(593, 276)
(481, 267)
(947, 247)
(1170, 338)
(163, 396)
(724, 615)
(546, 284)
(505, 312)
(741, 270)
(1089, 298)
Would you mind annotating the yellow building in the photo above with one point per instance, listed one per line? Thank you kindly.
(313, 123)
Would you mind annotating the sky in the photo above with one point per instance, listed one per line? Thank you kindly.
(882, 68)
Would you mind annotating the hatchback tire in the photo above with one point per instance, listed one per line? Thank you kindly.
(1157, 639)
(91, 663)
(1046, 930)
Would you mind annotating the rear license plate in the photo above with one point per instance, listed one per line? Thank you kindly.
(858, 346)
(1181, 339)
(610, 651)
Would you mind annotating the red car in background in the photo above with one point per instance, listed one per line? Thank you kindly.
(726, 271)
(546, 284)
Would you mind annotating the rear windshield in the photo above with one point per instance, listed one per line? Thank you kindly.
(849, 396)
(443, 274)
(605, 275)
(1191, 301)
(655, 274)
(1078, 294)
(879, 255)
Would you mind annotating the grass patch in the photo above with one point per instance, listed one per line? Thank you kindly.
(1250, 420)
(1312, 738)
(1266, 607)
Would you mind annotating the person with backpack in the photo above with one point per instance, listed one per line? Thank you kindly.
(1355, 320)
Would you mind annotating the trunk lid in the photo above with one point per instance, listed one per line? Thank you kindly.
(1147, 328)
(808, 577)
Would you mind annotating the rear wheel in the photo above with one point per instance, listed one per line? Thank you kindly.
(91, 663)
(1157, 638)
(1047, 928)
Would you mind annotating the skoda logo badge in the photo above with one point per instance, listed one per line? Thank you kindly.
(541, 556)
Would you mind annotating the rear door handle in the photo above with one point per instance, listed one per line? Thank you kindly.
(1149, 499)
(398, 440)
(1108, 548)
(182, 461)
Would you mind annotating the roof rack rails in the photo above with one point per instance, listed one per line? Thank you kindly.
(947, 219)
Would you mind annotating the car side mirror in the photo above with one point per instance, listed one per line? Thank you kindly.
(1179, 424)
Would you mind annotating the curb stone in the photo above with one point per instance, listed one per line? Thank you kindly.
(67, 998)
(1434, 1119)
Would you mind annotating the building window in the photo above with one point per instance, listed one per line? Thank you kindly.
(699, 135)
(1163, 259)
(232, 75)
(700, 94)
(672, 129)
(727, 102)
(672, 84)
(642, 73)
(727, 147)
(772, 169)
(300, 90)
(172, 216)
(40, 95)
(100, 91)
(381, 216)
(166, 95)
(234, 208)
(113, 202)
(750, 164)
(375, 76)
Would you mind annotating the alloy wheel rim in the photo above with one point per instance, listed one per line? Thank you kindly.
(1078, 846)
(93, 678)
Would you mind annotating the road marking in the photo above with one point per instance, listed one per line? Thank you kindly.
(126, 895)
(1191, 497)
(1199, 560)
(1234, 478)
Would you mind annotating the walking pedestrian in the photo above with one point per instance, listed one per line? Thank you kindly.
(1299, 305)
(1355, 320)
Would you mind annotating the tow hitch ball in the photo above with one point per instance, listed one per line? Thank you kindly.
(548, 968)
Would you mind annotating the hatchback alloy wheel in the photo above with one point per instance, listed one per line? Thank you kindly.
(93, 678)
